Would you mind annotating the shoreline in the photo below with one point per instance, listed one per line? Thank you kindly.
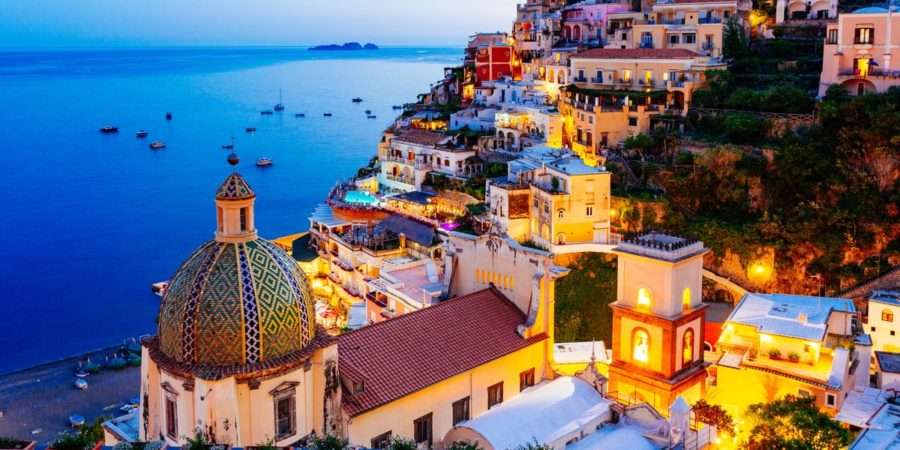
(74, 358)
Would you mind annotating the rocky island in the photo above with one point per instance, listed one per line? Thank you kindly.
(346, 46)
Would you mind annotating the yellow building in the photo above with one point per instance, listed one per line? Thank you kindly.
(553, 198)
(695, 25)
(776, 344)
(616, 93)
(658, 320)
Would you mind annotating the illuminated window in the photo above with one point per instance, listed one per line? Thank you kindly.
(687, 351)
(640, 345)
(644, 298)
(887, 315)
(686, 299)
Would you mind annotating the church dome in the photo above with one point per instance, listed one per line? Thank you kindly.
(238, 299)
(236, 303)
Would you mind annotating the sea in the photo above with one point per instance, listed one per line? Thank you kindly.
(91, 220)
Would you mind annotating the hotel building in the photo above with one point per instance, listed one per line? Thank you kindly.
(408, 156)
(858, 49)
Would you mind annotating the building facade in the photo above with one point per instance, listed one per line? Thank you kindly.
(858, 49)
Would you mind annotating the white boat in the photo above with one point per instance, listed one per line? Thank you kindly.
(280, 105)
(157, 145)
(160, 288)
(264, 162)
(81, 383)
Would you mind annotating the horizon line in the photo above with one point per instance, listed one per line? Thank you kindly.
(209, 46)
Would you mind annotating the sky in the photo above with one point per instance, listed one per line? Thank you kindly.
(136, 23)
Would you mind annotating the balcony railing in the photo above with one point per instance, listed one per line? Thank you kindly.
(597, 80)
(646, 44)
(870, 73)
(710, 20)
(580, 80)
(401, 179)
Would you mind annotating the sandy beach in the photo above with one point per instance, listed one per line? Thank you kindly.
(35, 403)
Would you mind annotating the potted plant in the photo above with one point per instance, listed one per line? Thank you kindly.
(775, 353)
(268, 444)
(140, 445)
(201, 441)
(794, 357)
(78, 441)
(11, 443)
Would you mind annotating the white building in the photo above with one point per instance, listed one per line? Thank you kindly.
(412, 154)
(882, 325)
(887, 371)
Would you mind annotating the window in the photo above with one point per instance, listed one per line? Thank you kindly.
(382, 440)
(460, 411)
(561, 213)
(887, 315)
(674, 39)
(644, 298)
(422, 430)
(689, 38)
(599, 78)
(536, 203)
(832, 36)
(171, 418)
(863, 35)
(687, 351)
(626, 76)
(589, 211)
(861, 66)
(648, 77)
(806, 394)
(546, 207)
(632, 121)
(495, 395)
(220, 219)
(830, 400)
(285, 419)
(873, 329)
(243, 219)
(686, 299)
(893, 332)
(526, 379)
(640, 345)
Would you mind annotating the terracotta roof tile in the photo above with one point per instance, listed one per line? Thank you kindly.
(403, 355)
(637, 53)
(420, 137)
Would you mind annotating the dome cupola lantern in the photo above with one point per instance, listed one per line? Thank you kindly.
(234, 208)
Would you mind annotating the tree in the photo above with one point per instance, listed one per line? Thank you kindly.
(793, 423)
(744, 129)
(735, 44)
(642, 143)
(714, 415)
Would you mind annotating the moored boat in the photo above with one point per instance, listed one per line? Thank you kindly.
(266, 112)
(81, 383)
(327, 114)
(264, 162)
(357, 100)
(168, 116)
(280, 105)
(227, 146)
(368, 111)
(109, 129)
(300, 115)
(370, 116)
(159, 288)
(141, 133)
(397, 107)
(250, 129)
(157, 145)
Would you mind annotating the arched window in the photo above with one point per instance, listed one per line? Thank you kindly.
(561, 213)
(887, 315)
(644, 298)
(687, 350)
(686, 299)
(640, 345)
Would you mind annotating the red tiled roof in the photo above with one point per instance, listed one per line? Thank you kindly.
(403, 355)
(420, 137)
(637, 53)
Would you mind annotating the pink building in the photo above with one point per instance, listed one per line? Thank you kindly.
(585, 22)
(858, 51)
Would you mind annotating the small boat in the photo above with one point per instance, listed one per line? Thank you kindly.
(280, 105)
(109, 129)
(168, 116)
(160, 288)
(250, 129)
(370, 116)
(81, 373)
(141, 133)
(327, 114)
(397, 106)
(76, 420)
(357, 100)
(266, 112)
(368, 111)
(300, 115)
(81, 383)
(228, 146)
(155, 145)
(264, 162)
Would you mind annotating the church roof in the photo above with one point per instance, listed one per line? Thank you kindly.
(400, 356)
(234, 188)
(236, 304)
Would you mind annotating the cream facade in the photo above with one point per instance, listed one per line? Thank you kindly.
(794, 10)
(858, 49)
(690, 25)
(407, 158)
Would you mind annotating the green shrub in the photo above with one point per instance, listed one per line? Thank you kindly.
(744, 129)
(794, 356)
(12, 443)
(328, 442)
(774, 353)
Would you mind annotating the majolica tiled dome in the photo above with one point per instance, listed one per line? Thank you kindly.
(236, 303)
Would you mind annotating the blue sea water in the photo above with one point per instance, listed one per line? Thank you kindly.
(91, 220)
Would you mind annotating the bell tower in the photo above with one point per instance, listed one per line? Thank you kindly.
(234, 207)
(658, 320)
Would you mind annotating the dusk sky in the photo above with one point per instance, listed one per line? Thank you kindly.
(117, 23)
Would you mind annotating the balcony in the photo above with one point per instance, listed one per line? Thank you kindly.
(705, 20)
(870, 73)
(579, 80)
(646, 44)
(401, 179)
(597, 80)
